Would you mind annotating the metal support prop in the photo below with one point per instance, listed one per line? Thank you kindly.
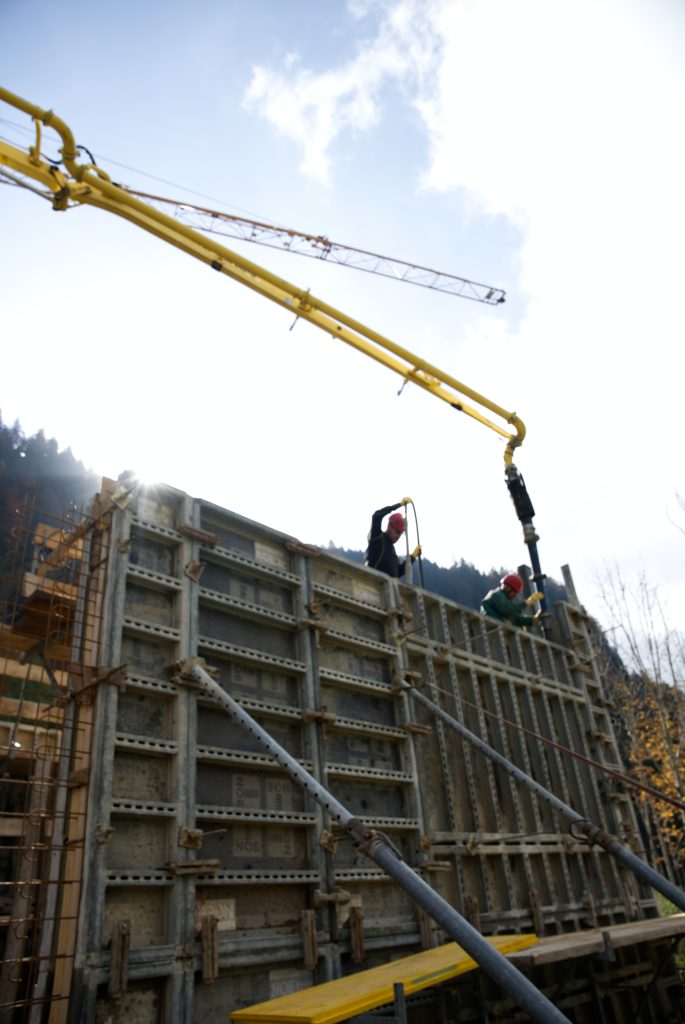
(591, 832)
(378, 848)
(400, 1003)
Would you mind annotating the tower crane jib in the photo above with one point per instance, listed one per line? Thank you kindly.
(322, 248)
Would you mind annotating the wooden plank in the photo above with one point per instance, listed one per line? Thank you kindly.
(29, 711)
(13, 669)
(357, 993)
(575, 944)
(63, 544)
(12, 643)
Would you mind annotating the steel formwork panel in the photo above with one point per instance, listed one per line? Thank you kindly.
(202, 854)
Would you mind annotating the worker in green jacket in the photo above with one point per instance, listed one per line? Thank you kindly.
(503, 603)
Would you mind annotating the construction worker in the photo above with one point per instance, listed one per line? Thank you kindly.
(380, 553)
(504, 602)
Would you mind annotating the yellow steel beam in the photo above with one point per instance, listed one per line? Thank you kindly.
(91, 186)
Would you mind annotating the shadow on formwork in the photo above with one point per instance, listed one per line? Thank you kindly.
(161, 868)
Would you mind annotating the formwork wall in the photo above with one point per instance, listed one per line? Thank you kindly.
(213, 881)
(210, 881)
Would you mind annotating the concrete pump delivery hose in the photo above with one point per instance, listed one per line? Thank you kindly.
(417, 551)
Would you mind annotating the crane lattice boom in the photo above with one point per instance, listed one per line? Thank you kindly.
(319, 247)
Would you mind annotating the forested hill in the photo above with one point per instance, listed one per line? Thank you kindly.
(36, 475)
(33, 471)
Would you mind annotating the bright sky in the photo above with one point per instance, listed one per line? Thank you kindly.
(534, 146)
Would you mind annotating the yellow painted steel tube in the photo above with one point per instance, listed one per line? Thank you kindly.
(102, 193)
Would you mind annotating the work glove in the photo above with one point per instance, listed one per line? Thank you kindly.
(534, 598)
(406, 501)
(416, 552)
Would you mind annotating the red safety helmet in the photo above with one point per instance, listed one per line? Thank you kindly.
(515, 582)
(396, 520)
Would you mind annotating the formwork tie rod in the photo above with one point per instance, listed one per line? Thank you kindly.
(375, 846)
(592, 833)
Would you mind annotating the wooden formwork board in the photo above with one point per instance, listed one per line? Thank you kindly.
(555, 948)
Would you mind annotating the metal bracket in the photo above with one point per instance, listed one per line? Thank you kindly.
(326, 718)
(192, 838)
(92, 678)
(79, 777)
(194, 867)
(425, 928)
(609, 953)
(338, 896)
(433, 865)
(123, 496)
(118, 965)
(472, 911)
(536, 909)
(400, 680)
(298, 548)
(309, 940)
(314, 624)
(194, 570)
(329, 842)
(180, 672)
(472, 843)
(356, 934)
(210, 949)
(399, 1006)
(589, 905)
(418, 729)
(195, 533)
(102, 833)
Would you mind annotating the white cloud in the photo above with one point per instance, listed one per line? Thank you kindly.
(564, 119)
(314, 109)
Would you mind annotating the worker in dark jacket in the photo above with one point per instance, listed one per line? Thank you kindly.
(381, 553)
(503, 603)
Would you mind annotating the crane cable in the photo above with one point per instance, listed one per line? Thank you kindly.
(620, 776)
(6, 177)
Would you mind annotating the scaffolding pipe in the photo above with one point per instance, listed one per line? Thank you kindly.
(376, 846)
(591, 832)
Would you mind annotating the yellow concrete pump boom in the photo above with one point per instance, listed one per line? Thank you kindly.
(90, 185)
